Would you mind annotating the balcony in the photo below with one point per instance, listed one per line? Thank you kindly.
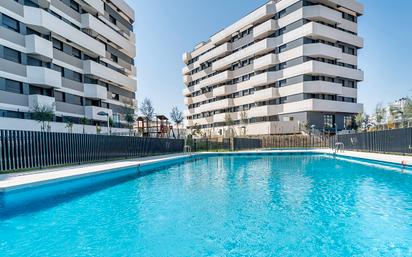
(188, 91)
(96, 69)
(265, 29)
(187, 79)
(46, 22)
(41, 100)
(94, 91)
(217, 52)
(99, 28)
(261, 47)
(91, 113)
(96, 5)
(188, 112)
(188, 100)
(216, 105)
(320, 105)
(44, 77)
(263, 13)
(216, 79)
(266, 94)
(224, 90)
(42, 3)
(40, 47)
(204, 121)
(186, 57)
(186, 70)
(265, 62)
(221, 117)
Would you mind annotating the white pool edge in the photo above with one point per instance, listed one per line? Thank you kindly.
(70, 173)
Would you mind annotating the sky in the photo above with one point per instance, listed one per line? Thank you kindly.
(165, 29)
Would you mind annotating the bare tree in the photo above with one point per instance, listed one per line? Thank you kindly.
(147, 110)
(177, 117)
(244, 121)
(360, 121)
(44, 115)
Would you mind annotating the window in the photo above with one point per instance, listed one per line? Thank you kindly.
(329, 120)
(59, 69)
(77, 76)
(12, 55)
(10, 23)
(114, 58)
(112, 19)
(58, 44)
(59, 96)
(33, 62)
(348, 122)
(115, 96)
(14, 86)
(75, 6)
(76, 53)
(73, 99)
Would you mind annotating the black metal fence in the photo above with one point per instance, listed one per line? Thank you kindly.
(295, 141)
(29, 150)
(386, 141)
(224, 144)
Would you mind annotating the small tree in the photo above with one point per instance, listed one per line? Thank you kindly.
(111, 124)
(177, 117)
(44, 115)
(69, 126)
(129, 114)
(98, 130)
(196, 130)
(360, 121)
(147, 110)
(229, 123)
(379, 113)
(407, 111)
(244, 121)
(84, 121)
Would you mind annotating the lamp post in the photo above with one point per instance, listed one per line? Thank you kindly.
(102, 113)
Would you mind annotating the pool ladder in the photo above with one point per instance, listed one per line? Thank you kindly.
(339, 146)
(187, 149)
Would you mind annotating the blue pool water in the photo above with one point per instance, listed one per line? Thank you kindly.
(309, 205)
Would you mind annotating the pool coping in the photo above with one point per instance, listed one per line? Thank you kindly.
(19, 181)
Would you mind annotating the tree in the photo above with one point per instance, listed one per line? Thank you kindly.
(84, 121)
(44, 115)
(196, 130)
(379, 113)
(129, 114)
(111, 124)
(229, 123)
(244, 121)
(147, 110)
(407, 110)
(69, 126)
(360, 120)
(177, 117)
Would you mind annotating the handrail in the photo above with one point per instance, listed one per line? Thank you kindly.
(339, 146)
(187, 149)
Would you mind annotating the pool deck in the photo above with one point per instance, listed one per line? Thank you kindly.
(9, 182)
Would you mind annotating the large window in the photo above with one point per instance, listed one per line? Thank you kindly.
(12, 55)
(329, 120)
(73, 99)
(10, 23)
(59, 69)
(77, 76)
(75, 6)
(57, 44)
(14, 86)
(76, 53)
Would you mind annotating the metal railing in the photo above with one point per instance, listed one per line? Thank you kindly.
(20, 150)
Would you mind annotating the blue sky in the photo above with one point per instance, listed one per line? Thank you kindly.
(165, 29)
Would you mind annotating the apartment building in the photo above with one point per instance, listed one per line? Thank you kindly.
(289, 64)
(74, 55)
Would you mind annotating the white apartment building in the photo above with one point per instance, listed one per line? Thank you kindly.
(287, 65)
(74, 55)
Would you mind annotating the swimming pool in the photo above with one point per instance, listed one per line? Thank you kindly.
(220, 205)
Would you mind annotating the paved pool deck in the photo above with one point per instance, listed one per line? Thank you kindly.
(34, 178)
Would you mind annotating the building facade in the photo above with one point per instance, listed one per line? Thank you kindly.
(76, 56)
(288, 65)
